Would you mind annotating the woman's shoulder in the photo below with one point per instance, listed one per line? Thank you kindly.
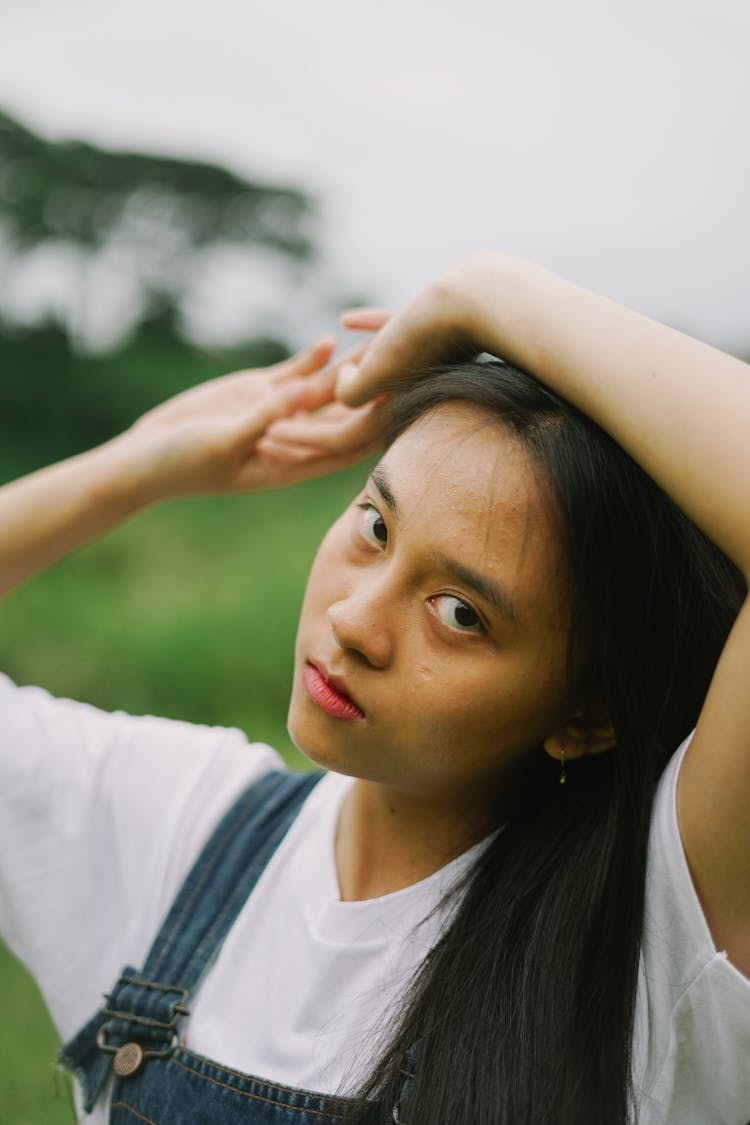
(94, 777)
(692, 1032)
(101, 816)
(36, 723)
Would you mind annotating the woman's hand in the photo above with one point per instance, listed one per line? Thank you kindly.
(251, 430)
(436, 326)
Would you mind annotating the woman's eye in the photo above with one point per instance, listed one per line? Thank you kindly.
(457, 614)
(373, 525)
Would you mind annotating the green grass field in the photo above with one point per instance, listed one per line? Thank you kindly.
(190, 612)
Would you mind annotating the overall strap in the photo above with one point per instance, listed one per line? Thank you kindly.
(143, 1010)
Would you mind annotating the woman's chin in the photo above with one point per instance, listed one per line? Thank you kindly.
(318, 750)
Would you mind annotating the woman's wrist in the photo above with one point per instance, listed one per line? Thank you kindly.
(117, 478)
(494, 293)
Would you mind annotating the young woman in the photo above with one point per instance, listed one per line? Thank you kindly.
(499, 906)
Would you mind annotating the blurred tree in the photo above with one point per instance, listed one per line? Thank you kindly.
(150, 218)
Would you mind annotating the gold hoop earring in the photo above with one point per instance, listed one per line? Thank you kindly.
(563, 774)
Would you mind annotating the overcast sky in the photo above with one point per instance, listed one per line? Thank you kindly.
(607, 142)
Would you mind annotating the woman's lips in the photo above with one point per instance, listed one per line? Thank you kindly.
(329, 698)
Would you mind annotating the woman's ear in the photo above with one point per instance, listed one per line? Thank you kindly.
(588, 731)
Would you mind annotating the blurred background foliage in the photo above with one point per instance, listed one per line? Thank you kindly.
(82, 194)
(189, 611)
(148, 222)
(57, 401)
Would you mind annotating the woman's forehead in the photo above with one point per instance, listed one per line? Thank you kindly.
(463, 459)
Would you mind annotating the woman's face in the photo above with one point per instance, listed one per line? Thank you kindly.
(432, 645)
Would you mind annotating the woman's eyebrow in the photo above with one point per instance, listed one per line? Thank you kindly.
(490, 591)
(380, 480)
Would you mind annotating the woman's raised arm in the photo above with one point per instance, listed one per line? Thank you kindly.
(211, 439)
(680, 407)
(682, 410)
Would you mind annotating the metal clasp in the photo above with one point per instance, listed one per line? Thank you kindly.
(179, 1010)
(130, 1057)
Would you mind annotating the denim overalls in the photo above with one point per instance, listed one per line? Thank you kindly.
(135, 1036)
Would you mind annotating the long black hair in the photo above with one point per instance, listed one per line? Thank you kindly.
(522, 1014)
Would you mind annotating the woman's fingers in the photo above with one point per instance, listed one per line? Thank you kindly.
(307, 386)
(276, 446)
(319, 388)
(275, 463)
(369, 319)
(278, 404)
(397, 352)
(335, 429)
(306, 362)
(349, 387)
(311, 429)
(429, 329)
(208, 438)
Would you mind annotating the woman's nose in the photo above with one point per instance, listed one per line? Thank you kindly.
(359, 625)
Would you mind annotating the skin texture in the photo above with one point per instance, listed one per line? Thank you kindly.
(454, 693)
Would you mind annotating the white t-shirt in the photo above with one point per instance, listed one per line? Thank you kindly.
(101, 816)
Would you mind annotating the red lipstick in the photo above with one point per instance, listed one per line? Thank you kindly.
(328, 697)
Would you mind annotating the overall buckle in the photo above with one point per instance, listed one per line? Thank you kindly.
(129, 1057)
